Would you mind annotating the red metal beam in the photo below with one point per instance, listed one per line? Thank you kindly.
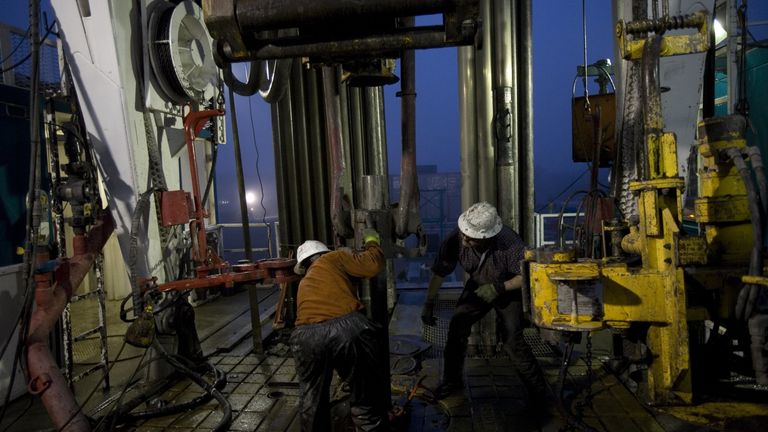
(45, 378)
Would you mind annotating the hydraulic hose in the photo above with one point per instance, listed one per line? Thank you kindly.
(226, 418)
(209, 183)
(572, 420)
(220, 380)
(248, 88)
(748, 295)
(756, 160)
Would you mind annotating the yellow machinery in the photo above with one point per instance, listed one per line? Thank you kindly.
(572, 294)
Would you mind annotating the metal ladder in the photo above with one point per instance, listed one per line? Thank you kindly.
(101, 330)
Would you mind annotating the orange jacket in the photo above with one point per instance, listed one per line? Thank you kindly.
(327, 290)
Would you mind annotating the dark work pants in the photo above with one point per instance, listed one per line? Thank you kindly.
(469, 310)
(350, 344)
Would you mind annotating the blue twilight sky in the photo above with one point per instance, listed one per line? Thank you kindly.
(557, 49)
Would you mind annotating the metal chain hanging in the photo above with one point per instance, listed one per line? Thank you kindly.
(587, 106)
(590, 373)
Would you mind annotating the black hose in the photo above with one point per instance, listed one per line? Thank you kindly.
(560, 229)
(756, 160)
(214, 156)
(220, 380)
(570, 418)
(248, 88)
(226, 418)
(748, 294)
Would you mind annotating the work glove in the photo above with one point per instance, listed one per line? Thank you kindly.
(428, 313)
(370, 235)
(487, 292)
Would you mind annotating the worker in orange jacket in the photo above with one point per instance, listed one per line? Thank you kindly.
(333, 333)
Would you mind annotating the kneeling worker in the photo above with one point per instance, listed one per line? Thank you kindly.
(332, 333)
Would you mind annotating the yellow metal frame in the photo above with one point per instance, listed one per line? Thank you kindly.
(632, 49)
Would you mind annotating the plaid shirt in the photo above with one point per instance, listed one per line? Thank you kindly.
(501, 262)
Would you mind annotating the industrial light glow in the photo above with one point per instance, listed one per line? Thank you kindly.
(250, 197)
(720, 33)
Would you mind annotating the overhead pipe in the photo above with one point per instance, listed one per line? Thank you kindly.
(45, 377)
(525, 116)
(333, 123)
(486, 153)
(467, 126)
(407, 218)
(505, 111)
(259, 15)
(431, 37)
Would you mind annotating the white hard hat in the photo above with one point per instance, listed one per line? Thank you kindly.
(480, 221)
(306, 250)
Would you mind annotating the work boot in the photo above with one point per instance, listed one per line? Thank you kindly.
(447, 388)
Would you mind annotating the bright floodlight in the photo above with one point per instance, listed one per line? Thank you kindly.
(250, 197)
(720, 33)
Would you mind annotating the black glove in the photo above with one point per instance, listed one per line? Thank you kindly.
(428, 313)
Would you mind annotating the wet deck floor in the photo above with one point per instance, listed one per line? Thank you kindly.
(264, 396)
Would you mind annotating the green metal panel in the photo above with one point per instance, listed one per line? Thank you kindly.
(757, 96)
(14, 170)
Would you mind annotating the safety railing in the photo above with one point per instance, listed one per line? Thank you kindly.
(547, 227)
(264, 244)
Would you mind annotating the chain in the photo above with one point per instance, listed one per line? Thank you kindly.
(153, 150)
(220, 96)
(631, 136)
(590, 373)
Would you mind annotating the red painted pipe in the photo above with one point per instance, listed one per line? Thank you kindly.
(193, 123)
(45, 378)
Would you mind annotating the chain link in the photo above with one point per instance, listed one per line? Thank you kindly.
(220, 96)
(590, 373)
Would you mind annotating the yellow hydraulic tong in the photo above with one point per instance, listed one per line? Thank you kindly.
(578, 294)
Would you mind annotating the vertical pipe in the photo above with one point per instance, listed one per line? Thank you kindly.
(377, 133)
(253, 299)
(407, 214)
(525, 114)
(357, 136)
(505, 111)
(467, 126)
(283, 215)
(379, 167)
(732, 59)
(296, 232)
(317, 158)
(298, 108)
(486, 155)
(333, 127)
(348, 189)
(240, 180)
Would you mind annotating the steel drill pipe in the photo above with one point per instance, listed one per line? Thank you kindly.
(259, 15)
(334, 134)
(45, 377)
(525, 116)
(369, 46)
(505, 117)
(467, 126)
(407, 218)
